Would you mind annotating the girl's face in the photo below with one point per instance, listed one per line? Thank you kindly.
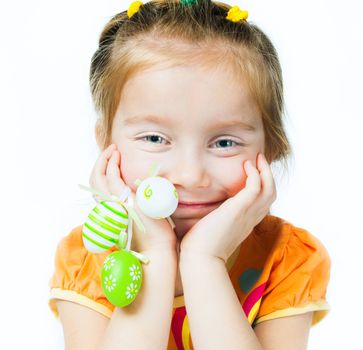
(199, 126)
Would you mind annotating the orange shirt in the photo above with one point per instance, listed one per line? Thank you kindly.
(280, 270)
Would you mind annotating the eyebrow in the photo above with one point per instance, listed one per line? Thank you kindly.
(159, 120)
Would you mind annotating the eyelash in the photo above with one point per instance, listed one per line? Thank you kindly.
(236, 143)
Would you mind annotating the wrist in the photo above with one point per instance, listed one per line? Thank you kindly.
(160, 248)
(192, 257)
(163, 260)
(142, 245)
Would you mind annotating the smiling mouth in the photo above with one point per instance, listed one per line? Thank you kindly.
(197, 205)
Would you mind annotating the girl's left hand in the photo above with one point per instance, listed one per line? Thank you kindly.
(219, 233)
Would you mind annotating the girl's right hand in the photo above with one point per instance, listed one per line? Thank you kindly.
(106, 178)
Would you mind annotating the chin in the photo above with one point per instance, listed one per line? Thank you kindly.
(182, 226)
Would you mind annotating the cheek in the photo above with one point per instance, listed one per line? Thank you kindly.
(232, 177)
(233, 174)
(133, 169)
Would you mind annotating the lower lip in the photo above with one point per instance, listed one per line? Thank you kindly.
(198, 206)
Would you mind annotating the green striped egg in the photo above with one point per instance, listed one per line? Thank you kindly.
(103, 226)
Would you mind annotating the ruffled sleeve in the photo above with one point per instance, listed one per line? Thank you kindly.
(76, 275)
(298, 279)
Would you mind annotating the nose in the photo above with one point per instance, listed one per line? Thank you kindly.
(188, 171)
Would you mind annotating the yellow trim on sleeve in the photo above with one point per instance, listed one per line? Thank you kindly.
(320, 308)
(179, 301)
(70, 295)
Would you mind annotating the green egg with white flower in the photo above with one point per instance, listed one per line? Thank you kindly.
(103, 226)
(121, 278)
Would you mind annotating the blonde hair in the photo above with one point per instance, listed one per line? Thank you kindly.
(165, 33)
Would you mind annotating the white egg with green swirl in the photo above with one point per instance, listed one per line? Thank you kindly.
(157, 197)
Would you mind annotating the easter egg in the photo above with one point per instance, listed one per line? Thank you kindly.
(103, 226)
(121, 278)
(157, 197)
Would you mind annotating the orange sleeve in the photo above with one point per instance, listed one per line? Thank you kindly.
(298, 280)
(76, 276)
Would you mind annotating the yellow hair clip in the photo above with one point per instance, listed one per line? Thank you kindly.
(134, 7)
(235, 14)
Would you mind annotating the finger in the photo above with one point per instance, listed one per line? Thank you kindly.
(113, 166)
(99, 169)
(253, 182)
(102, 161)
(267, 179)
(253, 185)
(115, 183)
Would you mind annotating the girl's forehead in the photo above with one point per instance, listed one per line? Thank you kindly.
(188, 89)
(192, 75)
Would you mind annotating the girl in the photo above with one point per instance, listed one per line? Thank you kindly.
(196, 88)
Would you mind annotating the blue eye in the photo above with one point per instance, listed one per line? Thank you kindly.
(152, 138)
(226, 143)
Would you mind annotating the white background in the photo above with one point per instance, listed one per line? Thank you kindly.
(48, 147)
